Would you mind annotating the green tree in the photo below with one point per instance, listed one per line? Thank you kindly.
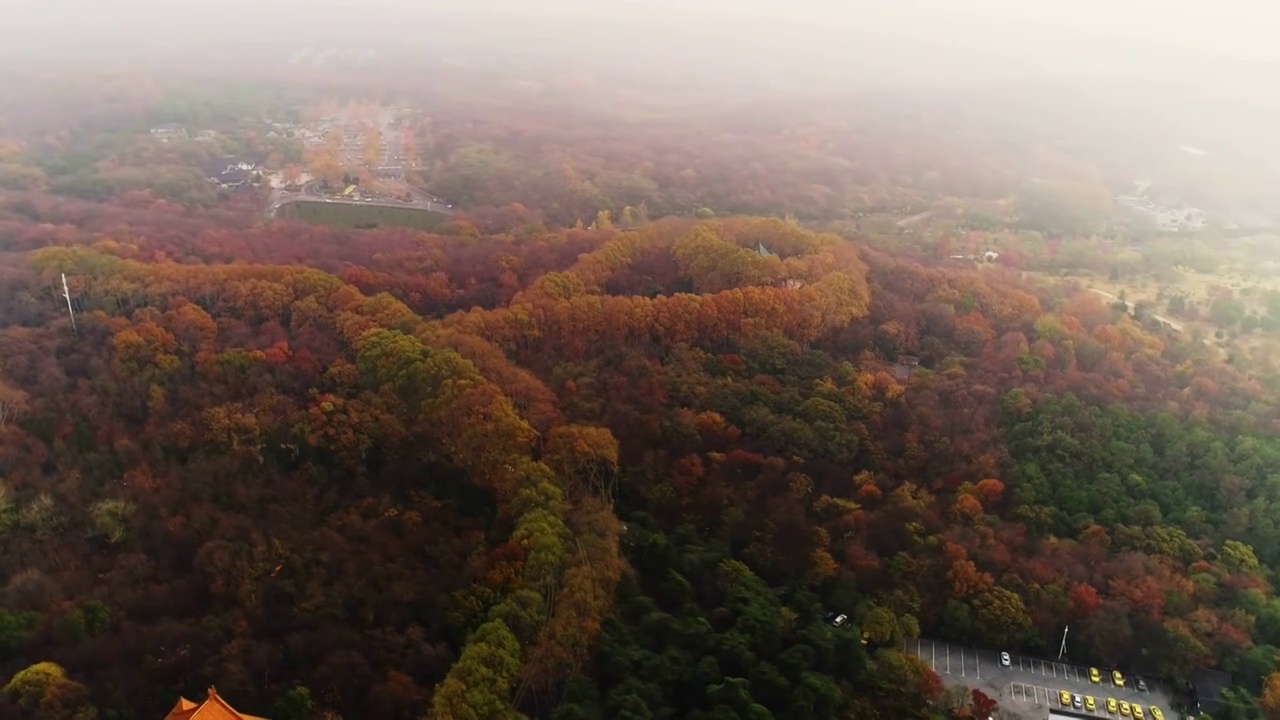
(479, 685)
(296, 704)
(999, 614)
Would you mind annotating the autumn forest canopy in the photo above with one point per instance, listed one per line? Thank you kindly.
(612, 440)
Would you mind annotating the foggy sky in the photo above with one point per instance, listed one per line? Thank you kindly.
(1199, 72)
(924, 37)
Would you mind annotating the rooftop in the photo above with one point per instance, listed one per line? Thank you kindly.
(213, 708)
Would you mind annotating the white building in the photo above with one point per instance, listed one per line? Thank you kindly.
(1179, 219)
(166, 133)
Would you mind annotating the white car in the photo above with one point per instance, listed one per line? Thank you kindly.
(1005, 660)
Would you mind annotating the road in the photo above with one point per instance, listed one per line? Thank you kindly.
(915, 218)
(1031, 685)
(1159, 318)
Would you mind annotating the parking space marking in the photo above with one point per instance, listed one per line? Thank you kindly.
(1038, 694)
(966, 669)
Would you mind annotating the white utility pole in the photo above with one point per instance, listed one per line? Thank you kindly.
(1062, 650)
(66, 293)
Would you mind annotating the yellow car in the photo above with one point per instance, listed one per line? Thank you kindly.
(1065, 698)
(1089, 704)
(1155, 713)
(1111, 706)
(1137, 712)
(1094, 675)
(1117, 679)
(1124, 708)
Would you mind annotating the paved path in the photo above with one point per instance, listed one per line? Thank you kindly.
(1159, 318)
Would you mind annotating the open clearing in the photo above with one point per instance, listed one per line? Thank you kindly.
(362, 216)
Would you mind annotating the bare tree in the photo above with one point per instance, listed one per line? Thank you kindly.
(12, 403)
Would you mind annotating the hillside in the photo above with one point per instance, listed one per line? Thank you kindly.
(541, 462)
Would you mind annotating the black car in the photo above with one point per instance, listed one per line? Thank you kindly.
(1142, 686)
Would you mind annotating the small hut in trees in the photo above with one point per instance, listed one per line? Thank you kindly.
(905, 366)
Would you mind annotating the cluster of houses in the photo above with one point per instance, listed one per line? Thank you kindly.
(173, 131)
(1176, 218)
(165, 133)
(988, 256)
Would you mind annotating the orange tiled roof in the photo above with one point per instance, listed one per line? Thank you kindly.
(213, 708)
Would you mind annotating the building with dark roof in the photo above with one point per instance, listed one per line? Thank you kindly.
(230, 173)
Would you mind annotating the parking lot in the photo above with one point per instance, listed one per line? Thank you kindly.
(1031, 685)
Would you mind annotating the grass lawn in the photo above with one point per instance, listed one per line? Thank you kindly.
(362, 216)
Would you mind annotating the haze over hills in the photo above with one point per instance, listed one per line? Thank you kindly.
(572, 360)
(1192, 73)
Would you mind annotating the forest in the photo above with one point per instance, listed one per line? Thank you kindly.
(540, 462)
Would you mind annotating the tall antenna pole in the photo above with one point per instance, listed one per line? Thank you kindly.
(1062, 650)
(66, 293)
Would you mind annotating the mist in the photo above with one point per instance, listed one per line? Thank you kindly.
(1137, 72)
(1178, 40)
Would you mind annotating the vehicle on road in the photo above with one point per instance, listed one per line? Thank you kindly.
(1155, 713)
(1089, 704)
(1005, 660)
(1124, 708)
(1077, 702)
(1094, 675)
(1064, 697)
(1111, 706)
(1137, 712)
(1117, 679)
(1142, 685)
(837, 620)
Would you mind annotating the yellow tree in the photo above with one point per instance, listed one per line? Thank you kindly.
(1270, 699)
(44, 692)
(408, 149)
(372, 147)
(326, 168)
(13, 402)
